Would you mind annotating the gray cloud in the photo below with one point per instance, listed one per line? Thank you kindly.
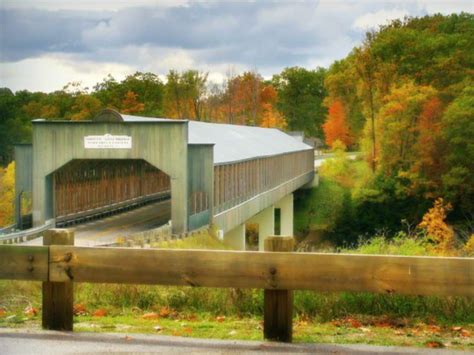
(262, 34)
(256, 33)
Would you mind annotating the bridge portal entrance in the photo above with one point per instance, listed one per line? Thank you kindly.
(91, 188)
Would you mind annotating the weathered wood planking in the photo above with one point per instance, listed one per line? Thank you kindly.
(58, 297)
(24, 262)
(311, 271)
(278, 304)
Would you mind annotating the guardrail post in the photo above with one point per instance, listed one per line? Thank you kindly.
(278, 304)
(58, 296)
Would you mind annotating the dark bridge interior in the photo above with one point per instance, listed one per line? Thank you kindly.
(85, 189)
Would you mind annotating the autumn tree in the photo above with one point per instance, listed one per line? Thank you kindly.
(429, 147)
(85, 108)
(7, 194)
(458, 132)
(269, 115)
(437, 230)
(398, 127)
(185, 94)
(194, 87)
(149, 89)
(335, 127)
(341, 84)
(130, 103)
(366, 67)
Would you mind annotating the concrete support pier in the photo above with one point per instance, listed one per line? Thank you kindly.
(266, 225)
(286, 215)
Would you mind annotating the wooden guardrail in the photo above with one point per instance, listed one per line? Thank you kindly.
(276, 270)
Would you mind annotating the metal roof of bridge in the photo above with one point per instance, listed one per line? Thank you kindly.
(234, 143)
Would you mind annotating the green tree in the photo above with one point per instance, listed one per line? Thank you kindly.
(15, 127)
(149, 89)
(458, 132)
(301, 93)
(185, 94)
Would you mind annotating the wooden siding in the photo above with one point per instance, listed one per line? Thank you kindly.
(84, 185)
(237, 182)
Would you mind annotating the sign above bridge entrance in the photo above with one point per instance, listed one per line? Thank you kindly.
(107, 141)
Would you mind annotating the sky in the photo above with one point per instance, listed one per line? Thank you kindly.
(44, 44)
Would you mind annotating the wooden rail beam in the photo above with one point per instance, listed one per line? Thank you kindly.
(24, 262)
(276, 270)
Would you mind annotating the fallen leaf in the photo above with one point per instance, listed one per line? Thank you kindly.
(365, 330)
(302, 323)
(220, 318)
(456, 329)
(434, 344)
(353, 322)
(188, 330)
(151, 315)
(79, 310)
(232, 332)
(165, 312)
(465, 333)
(434, 328)
(3, 312)
(31, 311)
(127, 338)
(100, 313)
(191, 317)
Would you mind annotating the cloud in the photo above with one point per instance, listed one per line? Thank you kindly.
(149, 35)
(49, 73)
(373, 20)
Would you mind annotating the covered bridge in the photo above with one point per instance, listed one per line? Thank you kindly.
(216, 173)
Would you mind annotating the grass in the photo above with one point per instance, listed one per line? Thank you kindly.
(347, 330)
(317, 208)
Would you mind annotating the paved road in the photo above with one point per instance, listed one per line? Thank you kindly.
(107, 230)
(319, 159)
(49, 342)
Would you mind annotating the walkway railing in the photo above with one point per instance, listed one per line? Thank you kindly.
(59, 263)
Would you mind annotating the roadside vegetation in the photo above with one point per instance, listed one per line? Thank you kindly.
(237, 314)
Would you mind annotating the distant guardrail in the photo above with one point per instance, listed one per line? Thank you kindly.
(7, 229)
(26, 235)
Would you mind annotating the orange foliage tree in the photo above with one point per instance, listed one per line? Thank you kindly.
(335, 128)
(437, 230)
(7, 193)
(269, 116)
(429, 145)
(130, 103)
